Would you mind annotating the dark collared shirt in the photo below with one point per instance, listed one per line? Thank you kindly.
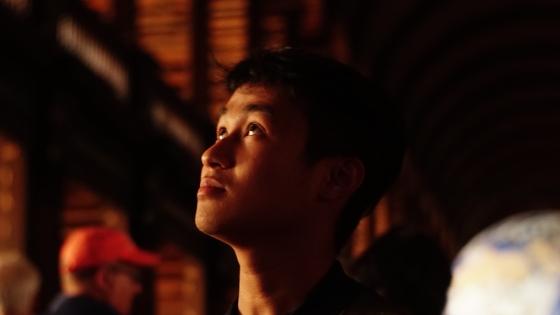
(332, 295)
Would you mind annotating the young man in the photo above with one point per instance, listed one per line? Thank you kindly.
(304, 146)
(99, 270)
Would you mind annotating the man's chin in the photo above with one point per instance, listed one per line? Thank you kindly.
(219, 228)
(207, 221)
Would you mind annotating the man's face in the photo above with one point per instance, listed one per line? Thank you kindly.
(122, 286)
(255, 178)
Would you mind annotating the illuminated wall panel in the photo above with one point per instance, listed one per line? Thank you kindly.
(83, 207)
(370, 227)
(12, 196)
(228, 31)
(19, 6)
(275, 28)
(180, 285)
(165, 30)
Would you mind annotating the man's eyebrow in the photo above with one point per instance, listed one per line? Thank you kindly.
(267, 109)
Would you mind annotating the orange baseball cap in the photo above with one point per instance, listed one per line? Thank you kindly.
(95, 246)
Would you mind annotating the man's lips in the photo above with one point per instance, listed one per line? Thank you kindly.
(209, 181)
(210, 185)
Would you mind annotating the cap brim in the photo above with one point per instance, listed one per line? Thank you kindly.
(142, 258)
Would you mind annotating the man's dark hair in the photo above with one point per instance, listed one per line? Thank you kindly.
(347, 116)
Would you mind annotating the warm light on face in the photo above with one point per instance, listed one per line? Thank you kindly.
(256, 162)
(124, 285)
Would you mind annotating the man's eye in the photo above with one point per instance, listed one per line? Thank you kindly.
(253, 129)
(221, 133)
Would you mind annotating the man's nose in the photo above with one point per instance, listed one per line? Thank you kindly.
(220, 154)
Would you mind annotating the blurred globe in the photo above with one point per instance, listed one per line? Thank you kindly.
(511, 268)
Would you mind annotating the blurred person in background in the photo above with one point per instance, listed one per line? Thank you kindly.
(304, 146)
(19, 283)
(409, 268)
(100, 272)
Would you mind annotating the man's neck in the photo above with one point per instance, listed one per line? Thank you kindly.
(275, 278)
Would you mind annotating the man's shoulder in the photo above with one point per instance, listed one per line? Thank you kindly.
(82, 305)
(339, 294)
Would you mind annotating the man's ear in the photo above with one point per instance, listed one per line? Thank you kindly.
(344, 177)
(103, 278)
